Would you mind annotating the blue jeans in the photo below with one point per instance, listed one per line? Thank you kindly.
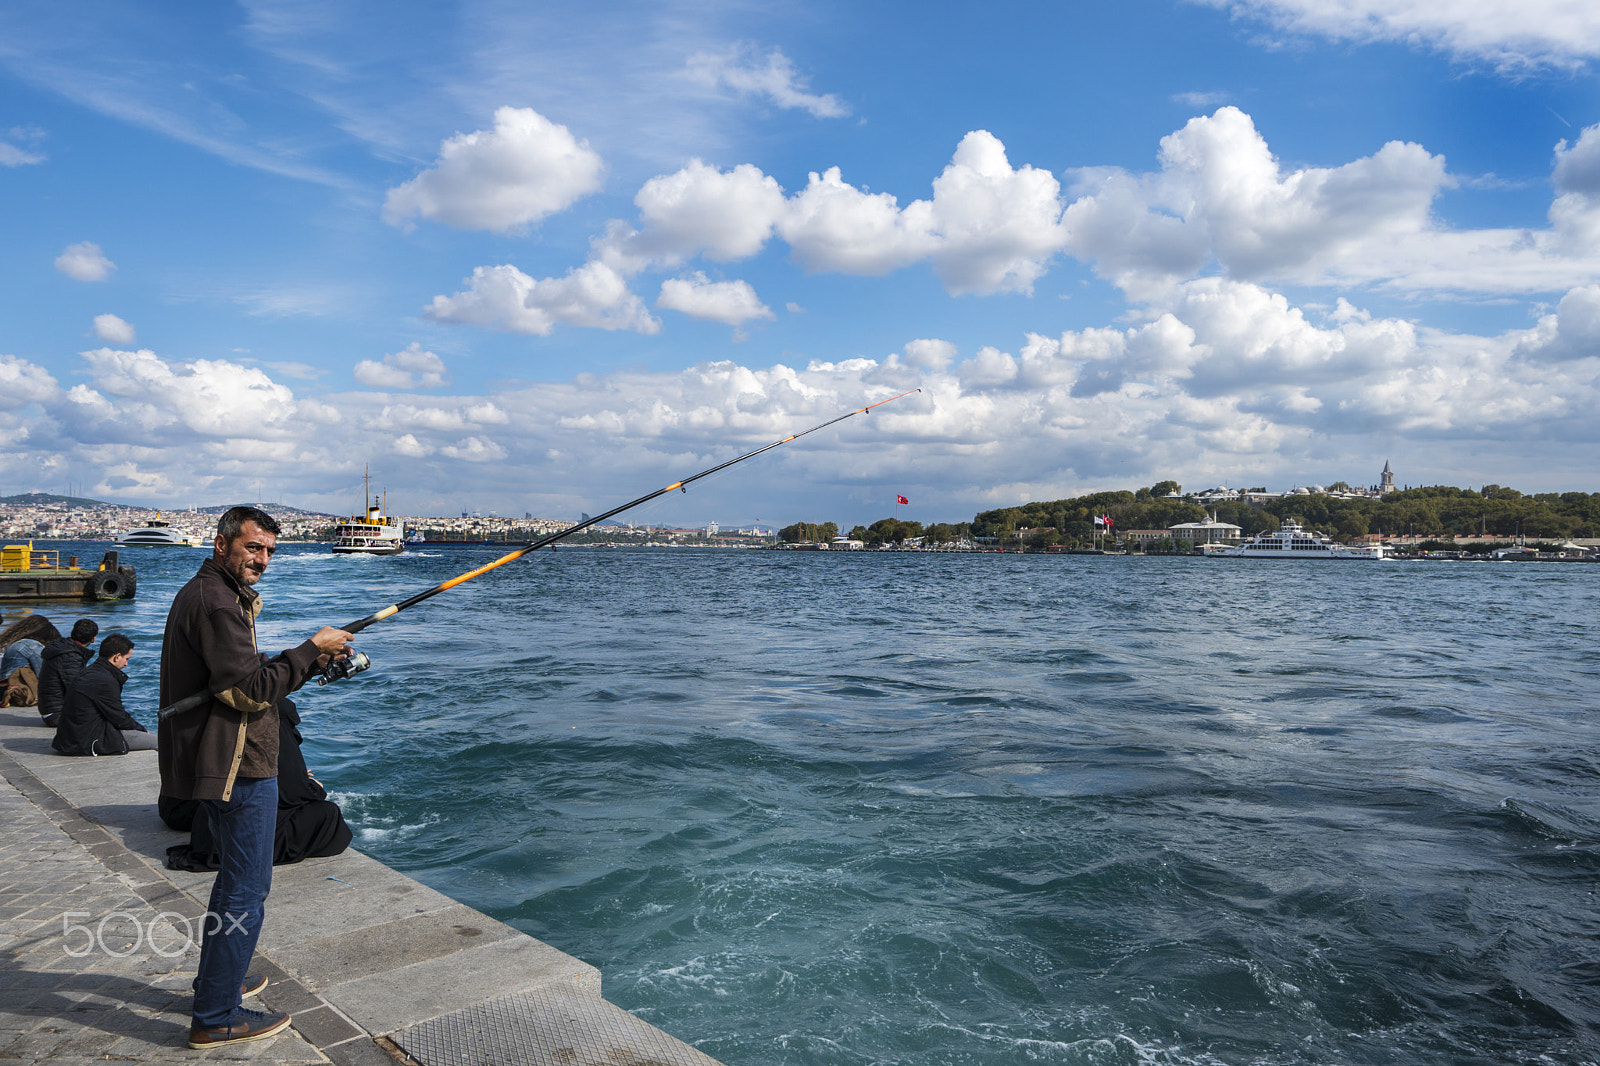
(244, 827)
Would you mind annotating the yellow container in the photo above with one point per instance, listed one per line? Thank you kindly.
(16, 556)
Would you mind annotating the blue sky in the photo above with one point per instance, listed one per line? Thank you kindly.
(544, 258)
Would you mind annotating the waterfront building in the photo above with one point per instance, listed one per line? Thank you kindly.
(1143, 537)
(1208, 532)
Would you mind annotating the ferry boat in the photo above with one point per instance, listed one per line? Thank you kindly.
(1294, 541)
(373, 534)
(158, 533)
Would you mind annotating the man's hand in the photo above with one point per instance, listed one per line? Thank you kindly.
(332, 642)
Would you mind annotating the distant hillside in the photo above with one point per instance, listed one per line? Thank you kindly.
(50, 499)
(42, 499)
(276, 510)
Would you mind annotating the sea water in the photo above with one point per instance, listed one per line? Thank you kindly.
(843, 808)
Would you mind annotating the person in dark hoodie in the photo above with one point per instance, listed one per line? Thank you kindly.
(309, 825)
(93, 721)
(63, 659)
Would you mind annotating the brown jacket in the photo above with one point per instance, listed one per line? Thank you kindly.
(210, 645)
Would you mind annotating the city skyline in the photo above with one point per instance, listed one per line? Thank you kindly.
(546, 260)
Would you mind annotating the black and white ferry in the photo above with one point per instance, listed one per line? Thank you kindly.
(374, 533)
(1294, 541)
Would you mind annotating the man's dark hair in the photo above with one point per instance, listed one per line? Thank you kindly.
(115, 644)
(231, 524)
(84, 630)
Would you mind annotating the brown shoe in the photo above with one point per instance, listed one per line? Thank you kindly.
(246, 1025)
(253, 984)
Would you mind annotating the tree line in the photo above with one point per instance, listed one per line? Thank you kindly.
(1441, 511)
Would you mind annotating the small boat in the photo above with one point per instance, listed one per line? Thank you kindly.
(1294, 541)
(375, 533)
(159, 533)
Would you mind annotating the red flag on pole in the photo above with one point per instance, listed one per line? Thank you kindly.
(900, 499)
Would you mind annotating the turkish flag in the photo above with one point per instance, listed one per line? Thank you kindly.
(901, 499)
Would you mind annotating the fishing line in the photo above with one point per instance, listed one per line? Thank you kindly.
(191, 702)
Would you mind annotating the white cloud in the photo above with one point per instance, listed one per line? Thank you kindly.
(832, 225)
(453, 415)
(1221, 197)
(1513, 35)
(500, 180)
(503, 297)
(772, 77)
(731, 302)
(1221, 380)
(701, 209)
(209, 398)
(1221, 194)
(474, 450)
(113, 330)
(85, 262)
(12, 156)
(410, 368)
(935, 355)
(409, 446)
(1571, 333)
(988, 228)
(1220, 202)
(998, 227)
(22, 383)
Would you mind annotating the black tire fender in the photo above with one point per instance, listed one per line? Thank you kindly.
(107, 585)
(130, 581)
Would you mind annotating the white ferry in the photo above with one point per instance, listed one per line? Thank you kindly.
(158, 533)
(1294, 541)
(374, 534)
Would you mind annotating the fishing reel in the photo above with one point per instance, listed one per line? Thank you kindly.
(340, 669)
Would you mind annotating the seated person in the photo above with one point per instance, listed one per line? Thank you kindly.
(92, 720)
(63, 659)
(23, 642)
(310, 825)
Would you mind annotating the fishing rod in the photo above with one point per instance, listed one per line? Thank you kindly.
(359, 662)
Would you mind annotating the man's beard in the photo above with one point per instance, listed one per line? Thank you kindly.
(244, 575)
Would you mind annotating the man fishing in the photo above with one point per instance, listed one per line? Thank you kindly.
(218, 732)
(223, 751)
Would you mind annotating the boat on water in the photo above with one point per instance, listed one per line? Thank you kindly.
(374, 533)
(1294, 541)
(26, 574)
(159, 533)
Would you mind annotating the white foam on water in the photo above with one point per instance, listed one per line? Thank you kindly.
(370, 827)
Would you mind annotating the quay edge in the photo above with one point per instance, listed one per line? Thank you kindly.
(374, 966)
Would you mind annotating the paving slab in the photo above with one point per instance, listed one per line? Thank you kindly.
(550, 1028)
(358, 952)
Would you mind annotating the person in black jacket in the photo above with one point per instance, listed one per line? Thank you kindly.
(92, 720)
(63, 659)
(309, 825)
